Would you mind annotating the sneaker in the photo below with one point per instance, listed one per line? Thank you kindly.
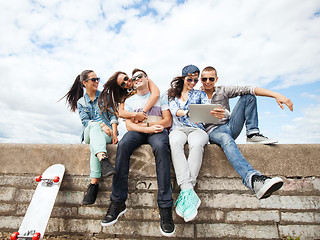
(115, 210)
(106, 167)
(179, 206)
(167, 227)
(187, 204)
(264, 186)
(259, 139)
(91, 194)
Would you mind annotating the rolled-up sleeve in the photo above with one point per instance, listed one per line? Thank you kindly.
(173, 107)
(113, 119)
(235, 91)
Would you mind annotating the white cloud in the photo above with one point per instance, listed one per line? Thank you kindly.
(45, 44)
(306, 128)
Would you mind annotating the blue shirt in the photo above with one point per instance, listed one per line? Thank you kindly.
(194, 97)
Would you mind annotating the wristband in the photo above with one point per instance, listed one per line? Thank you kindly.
(144, 112)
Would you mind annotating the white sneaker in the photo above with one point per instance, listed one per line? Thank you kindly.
(260, 139)
(264, 186)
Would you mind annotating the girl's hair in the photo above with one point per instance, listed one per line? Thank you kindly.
(112, 94)
(176, 87)
(76, 91)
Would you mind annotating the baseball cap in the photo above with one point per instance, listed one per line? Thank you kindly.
(189, 70)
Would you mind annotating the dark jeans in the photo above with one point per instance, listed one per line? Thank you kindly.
(160, 147)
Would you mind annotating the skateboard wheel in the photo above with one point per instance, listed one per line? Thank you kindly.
(38, 178)
(56, 179)
(36, 236)
(14, 236)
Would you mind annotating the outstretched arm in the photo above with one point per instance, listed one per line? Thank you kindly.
(136, 116)
(277, 96)
(140, 116)
(155, 94)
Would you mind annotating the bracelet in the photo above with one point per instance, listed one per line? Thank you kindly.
(148, 124)
(144, 112)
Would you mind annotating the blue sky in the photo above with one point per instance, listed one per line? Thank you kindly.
(44, 45)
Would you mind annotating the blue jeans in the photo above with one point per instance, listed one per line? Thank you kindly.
(245, 112)
(160, 147)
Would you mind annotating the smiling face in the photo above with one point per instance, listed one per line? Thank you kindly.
(190, 81)
(89, 84)
(209, 79)
(124, 81)
(139, 80)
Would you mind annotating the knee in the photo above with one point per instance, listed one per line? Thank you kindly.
(122, 144)
(222, 139)
(249, 98)
(176, 142)
(161, 147)
(197, 145)
(93, 124)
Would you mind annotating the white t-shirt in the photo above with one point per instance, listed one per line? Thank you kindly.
(136, 103)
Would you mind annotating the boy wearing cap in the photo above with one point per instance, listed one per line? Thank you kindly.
(152, 132)
(229, 128)
(181, 94)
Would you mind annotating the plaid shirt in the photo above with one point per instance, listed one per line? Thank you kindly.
(194, 97)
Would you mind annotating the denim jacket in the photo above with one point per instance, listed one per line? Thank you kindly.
(87, 108)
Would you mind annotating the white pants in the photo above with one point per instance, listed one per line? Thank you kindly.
(187, 170)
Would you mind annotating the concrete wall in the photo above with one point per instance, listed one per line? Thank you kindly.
(228, 209)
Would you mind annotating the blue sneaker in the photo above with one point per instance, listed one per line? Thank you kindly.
(180, 207)
(193, 203)
(187, 205)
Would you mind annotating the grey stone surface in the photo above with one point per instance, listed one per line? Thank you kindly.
(228, 209)
(290, 160)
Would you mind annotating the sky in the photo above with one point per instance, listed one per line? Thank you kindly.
(44, 45)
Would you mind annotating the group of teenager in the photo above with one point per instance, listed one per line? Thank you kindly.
(163, 122)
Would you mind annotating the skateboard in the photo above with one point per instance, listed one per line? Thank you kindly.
(38, 213)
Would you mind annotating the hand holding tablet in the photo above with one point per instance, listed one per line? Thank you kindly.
(201, 113)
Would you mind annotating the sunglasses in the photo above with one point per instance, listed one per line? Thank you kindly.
(137, 77)
(93, 79)
(190, 80)
(123, 84)
(212, 79)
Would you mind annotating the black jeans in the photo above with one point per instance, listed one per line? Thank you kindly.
(160, 147)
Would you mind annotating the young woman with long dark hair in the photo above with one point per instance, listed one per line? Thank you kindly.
(99, 128)
(117, 89)
(181, 94)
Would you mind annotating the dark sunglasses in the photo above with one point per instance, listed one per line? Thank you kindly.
(123, 84)
(210, 79)
(137, 77)
(190, 80)
(93, 79)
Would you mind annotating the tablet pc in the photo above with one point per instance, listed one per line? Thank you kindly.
(201, 113)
